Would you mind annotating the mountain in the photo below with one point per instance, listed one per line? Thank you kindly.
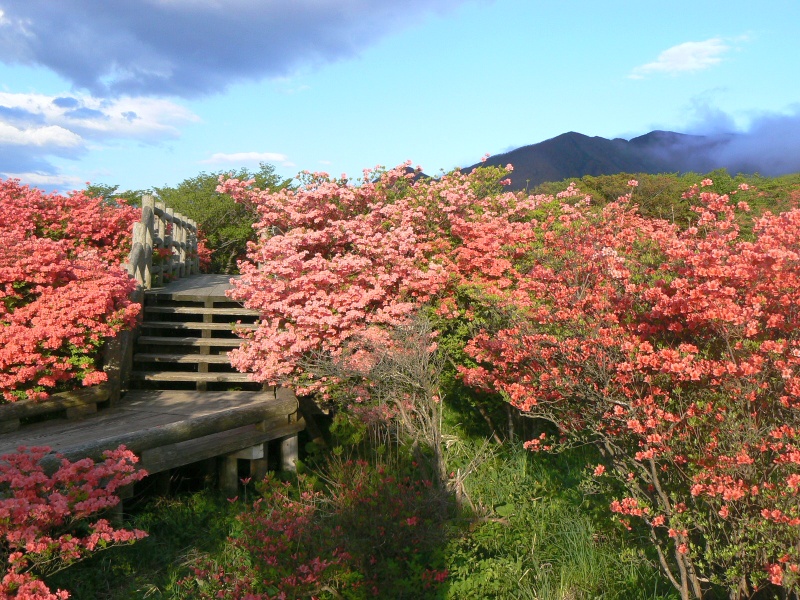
(575, 155)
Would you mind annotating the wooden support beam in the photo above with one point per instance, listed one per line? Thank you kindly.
(229, 475)
(260, 467)
(251, 453)
(289, 452)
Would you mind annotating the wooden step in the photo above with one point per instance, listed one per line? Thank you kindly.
(159, 296)
(193, 377)
(201, 326)
(211, 359)
(189, 341)
(200, 310)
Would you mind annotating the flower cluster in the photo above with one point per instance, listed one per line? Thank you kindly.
(46, 520)
(62, 290)
(676, 351)
(368, 533)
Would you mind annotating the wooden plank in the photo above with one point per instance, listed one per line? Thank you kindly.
(199, 285)
(198, 325)
(197, 310)
(250, 453)
(226, 442)
(201, 296)
(59, 401)
(189, 402)
(61, 434)
(141, 410)
(189, 376)
(189, 341)
(216, 359)
(273, 413)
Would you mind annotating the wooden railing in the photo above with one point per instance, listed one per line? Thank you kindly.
(164, 246)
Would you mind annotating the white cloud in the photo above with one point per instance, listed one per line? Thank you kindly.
(247, 158)
(685, 58)
(61, 182)
(138, 118)
(34, 128)
(51, 135)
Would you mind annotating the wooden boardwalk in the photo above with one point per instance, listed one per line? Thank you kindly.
(198, 288)
(171, 418)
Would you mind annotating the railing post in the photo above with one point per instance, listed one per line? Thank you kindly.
(161, 232)
(136, 260)
(179, 232)
(162, 227)
(195, 256)
(148, 218)
(191, 246)
(170, 218)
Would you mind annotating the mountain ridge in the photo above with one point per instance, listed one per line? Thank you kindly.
(574, 154)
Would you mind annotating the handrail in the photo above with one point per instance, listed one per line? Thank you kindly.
(161, 228)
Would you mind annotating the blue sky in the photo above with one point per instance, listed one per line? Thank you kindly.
(142, 93)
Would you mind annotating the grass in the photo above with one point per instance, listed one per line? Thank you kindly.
(536, 531)
(542, 537)
(177, 526)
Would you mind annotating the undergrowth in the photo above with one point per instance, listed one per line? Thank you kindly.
(360, 524)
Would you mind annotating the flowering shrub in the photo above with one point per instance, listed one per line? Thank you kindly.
(678, 354)
(61, 287)
(335, 260)
(675, 351)
(368, 534)
(81, 221)
(46, 519)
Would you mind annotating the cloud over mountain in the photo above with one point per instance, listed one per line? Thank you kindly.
(770, 146)
(192, 47)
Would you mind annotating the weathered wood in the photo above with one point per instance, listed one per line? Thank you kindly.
(57, 402)
(148, 220)
(251, 453)
(191, 310)
(196, 289)
(190, 341)
(151, 234)
(260, 467)
(214, 359)
(225, 442)
(289, 453)
(190, 376)
(198, 325)
(147, 431)
(9, 425)
(229, 475)
(76, 412)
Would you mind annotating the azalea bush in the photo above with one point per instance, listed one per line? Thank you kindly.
(62, 289)
(355, 530)
(677, 353)
(49, 521)
(674, 350)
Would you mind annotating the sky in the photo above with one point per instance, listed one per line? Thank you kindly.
(144, 93)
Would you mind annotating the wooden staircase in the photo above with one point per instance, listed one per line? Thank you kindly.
(184, 341)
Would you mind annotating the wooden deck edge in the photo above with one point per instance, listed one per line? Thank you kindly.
(184, 297)
(280, 412)
(160, 459)
(10, 414)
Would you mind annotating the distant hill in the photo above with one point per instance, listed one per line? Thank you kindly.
(575, 155)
